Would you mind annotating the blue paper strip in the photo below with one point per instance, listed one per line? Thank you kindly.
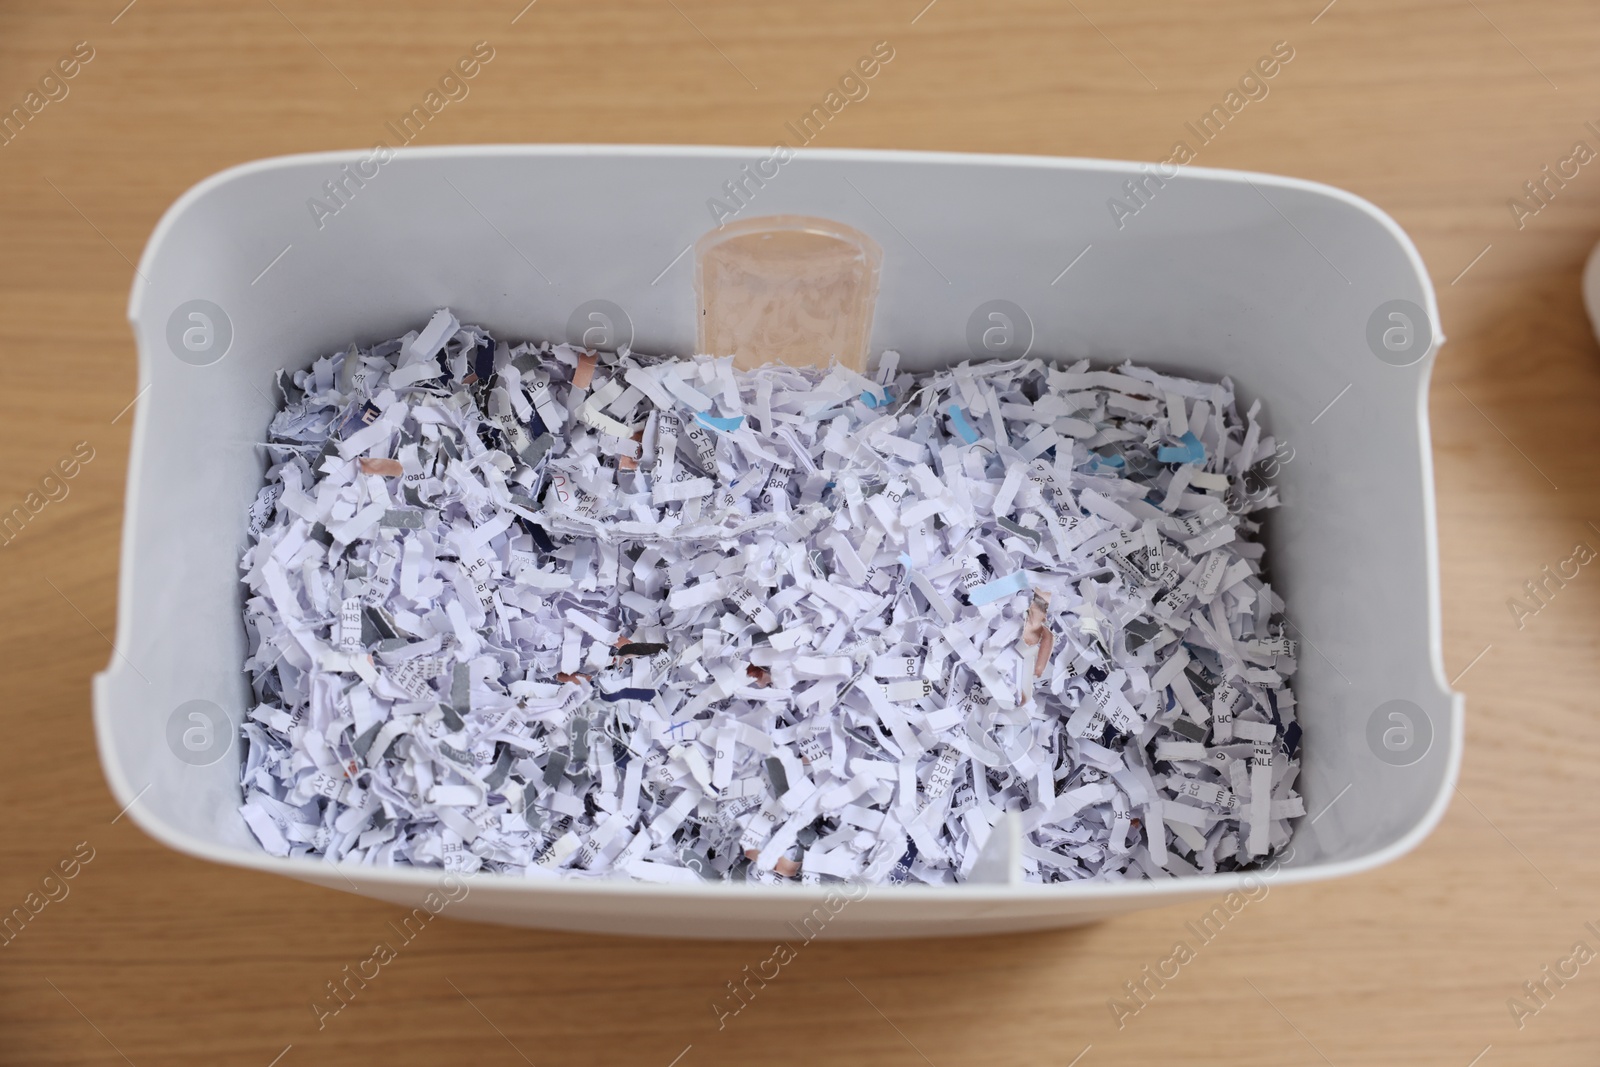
(629, 694)
(717, 422)
(961, 426)
(989, 592)
(1191, 452)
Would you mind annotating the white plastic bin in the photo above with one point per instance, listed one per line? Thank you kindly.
(1302, 293)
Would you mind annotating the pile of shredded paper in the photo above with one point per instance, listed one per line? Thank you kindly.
(556, 612)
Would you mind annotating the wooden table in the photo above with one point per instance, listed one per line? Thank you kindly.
(1437, 111)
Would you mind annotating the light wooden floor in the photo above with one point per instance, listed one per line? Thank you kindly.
(1437, 111)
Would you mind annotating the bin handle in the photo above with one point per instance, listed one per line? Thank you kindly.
(787, 288)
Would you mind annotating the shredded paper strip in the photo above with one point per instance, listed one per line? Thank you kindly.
(563, 613)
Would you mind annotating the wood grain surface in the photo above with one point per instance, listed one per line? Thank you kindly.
(1437, 110)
